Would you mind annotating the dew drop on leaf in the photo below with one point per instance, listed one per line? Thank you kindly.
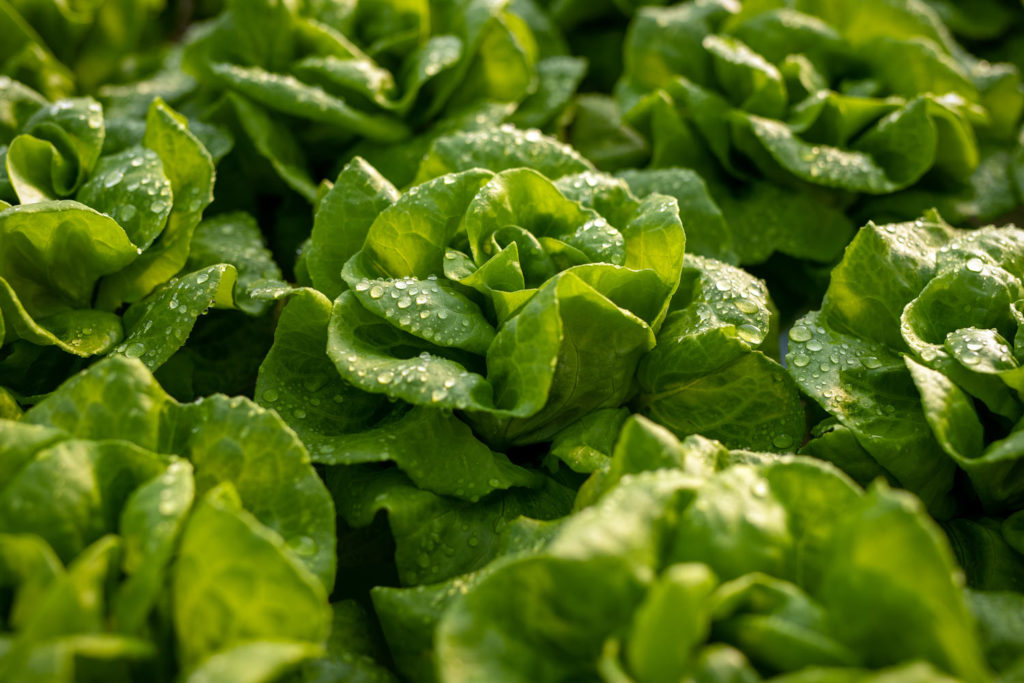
(800, 334)
(782, 441)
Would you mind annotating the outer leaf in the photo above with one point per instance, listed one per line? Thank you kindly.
(189, 168)
(92, 405)
(53, 253)
(159, 325)
(235, 440)
(750, 403)
(299, 381)
(876, 400)
(909, 563)
(274, 142)
(234, 582)
(343, 218)
(151, 523)
(292, 96)
(94, 481)
(438, 452)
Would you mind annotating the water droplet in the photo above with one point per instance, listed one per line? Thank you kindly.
(202, 277)
(134, 350)
(801, 360)
(969, 357)
(748, 333)
(270, 395)
(975, 265)
(376, 292)
(800, 334)
(299, 414)
(404, 302)
(871, 363)
(814, 345)
(113, 178)
(362, 286)
(745, 306)
(782, 441)
(385, 377)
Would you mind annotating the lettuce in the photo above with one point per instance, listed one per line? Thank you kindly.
(808, 107)
(214, 501)
(468, 340)
(697, 561)
(60, 48)
(913, 356)
(305, 82)
(95, 221)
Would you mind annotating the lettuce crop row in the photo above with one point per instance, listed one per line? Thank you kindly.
(511, 340)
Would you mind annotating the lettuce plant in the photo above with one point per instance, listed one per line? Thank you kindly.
(306, 81)
(482, 313)
(915, 356)
(690, 561)
(782, 107)
(102, 213)
(129, 522)
(60, 48)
